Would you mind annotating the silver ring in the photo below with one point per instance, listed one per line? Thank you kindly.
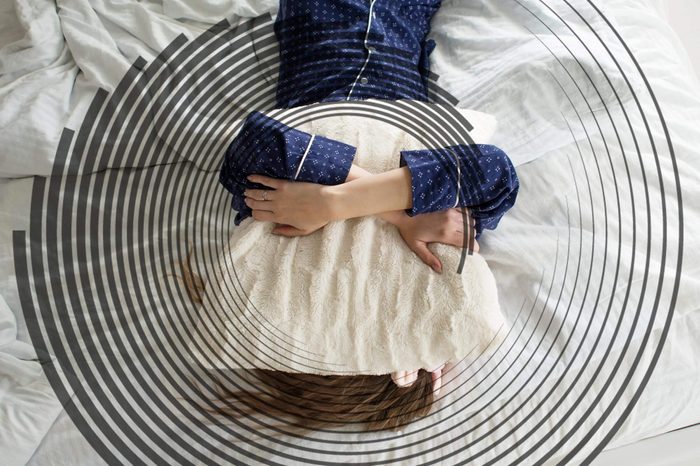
(264, 196)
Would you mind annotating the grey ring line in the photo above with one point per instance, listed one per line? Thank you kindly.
(384, 120)
(35, 229)
(17, 240)
(312, 118)
(646, 191)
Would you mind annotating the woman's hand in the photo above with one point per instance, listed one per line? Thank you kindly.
(445, 226)
(407, 378)
(299, 207)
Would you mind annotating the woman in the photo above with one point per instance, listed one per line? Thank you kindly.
(342, 50)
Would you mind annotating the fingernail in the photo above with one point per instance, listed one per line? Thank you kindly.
(436, 268)
(437, 368)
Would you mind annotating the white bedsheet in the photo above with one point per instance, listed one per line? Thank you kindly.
(53, 58)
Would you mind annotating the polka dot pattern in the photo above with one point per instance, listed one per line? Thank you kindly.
(488, 184)
(352, 49)
(268, 147)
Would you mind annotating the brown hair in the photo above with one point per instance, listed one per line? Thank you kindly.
(308, 401)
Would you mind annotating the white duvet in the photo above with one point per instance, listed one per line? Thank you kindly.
(54, 57)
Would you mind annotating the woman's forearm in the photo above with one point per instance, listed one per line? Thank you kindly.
(356, 172)
(371, 194)
(392, 216)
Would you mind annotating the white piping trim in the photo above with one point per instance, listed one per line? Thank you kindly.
(364, 65)
(308, 147)
(459, 177)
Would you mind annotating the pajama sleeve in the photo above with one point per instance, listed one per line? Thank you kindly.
(479, 176)
(265, 146)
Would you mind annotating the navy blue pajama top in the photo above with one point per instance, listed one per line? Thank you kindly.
(355, 49)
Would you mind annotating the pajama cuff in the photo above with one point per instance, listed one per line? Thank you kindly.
(478, 176)
(265, 146)
(435, 179)
(324, 161)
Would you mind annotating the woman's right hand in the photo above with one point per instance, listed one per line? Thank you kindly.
(445, 226)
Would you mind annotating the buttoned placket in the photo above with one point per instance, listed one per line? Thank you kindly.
(370, 49)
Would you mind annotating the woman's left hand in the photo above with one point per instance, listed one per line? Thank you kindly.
(299, 207)
(445, 226)
(407, 378)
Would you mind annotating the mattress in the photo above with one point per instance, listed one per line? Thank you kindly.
(597, 264)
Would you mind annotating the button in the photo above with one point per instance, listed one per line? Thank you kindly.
(364, 80)
(371, 48)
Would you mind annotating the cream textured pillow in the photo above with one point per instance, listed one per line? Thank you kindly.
(352, 297)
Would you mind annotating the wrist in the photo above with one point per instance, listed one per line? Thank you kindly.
(395, 217)
(369, 195)
(333, 196)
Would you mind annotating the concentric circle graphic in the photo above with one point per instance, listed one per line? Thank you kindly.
(134, 192)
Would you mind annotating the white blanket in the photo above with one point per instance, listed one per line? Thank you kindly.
(352, 297)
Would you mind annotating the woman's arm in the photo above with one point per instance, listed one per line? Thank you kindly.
(479, 177)
(268, 147)
(314, 203)
(395, 217)
(370, 195)
(307, 205)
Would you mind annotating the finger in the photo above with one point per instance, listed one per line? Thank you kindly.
(267, 181)
(422, 251)
(461, 228)
(260, 194)
(455, 238)
(437, 381)
(258, 205)
(456, 216)
(287, 230)
(465, 217)
(264, 216)
(398, 377)
(411, 377)
(466, 241)
(437, 368)
(404, 378)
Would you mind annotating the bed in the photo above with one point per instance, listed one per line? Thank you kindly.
(597, 265)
